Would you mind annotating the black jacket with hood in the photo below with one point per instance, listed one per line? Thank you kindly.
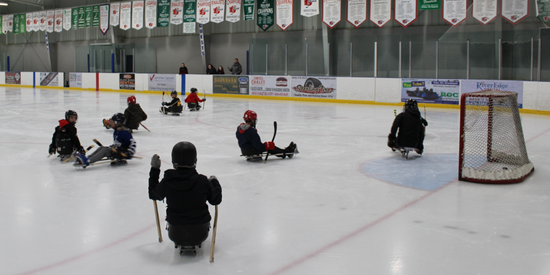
(186, 193)
(410, 125)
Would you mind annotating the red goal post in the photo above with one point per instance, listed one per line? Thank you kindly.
(492, 147)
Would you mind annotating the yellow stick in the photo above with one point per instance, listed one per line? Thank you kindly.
(158, 221)
(214, 236)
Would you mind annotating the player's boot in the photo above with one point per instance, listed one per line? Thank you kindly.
(81, 160)
(291, 150)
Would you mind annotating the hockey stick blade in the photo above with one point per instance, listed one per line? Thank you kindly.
(97, 142)
(273, 139)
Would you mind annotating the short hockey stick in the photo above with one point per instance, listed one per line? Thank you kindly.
(87, 149)
(273, 139)
(98, 143)
(214, 236)
(158, 221)
(144, 127)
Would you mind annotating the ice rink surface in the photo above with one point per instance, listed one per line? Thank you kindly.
(346, 204)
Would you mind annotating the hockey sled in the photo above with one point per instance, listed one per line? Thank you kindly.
(404, 151)
(188, 248)
(175, 111)
(261, 157)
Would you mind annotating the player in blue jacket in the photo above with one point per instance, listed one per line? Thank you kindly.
(124, 146)
(251, 145)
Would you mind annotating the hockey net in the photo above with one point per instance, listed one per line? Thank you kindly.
(492, 146)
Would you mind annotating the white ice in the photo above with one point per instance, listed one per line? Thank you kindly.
(345, 205)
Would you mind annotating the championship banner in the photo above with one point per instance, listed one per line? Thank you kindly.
(127, 81)
(22, 23)
(74, 17)
(28, 21)
(285, 13)
(35, 21)
(16, 23)
(484, 11)
(88, 16)
(230, 84)
(203, 11)
(233, 11)
(190, 11)
(441, 91)
(265, 14)
(543, 10)
(380, 12)
(49, 20)
(81, 17)
(95, 16)
(269, 85)
(455, 11)
(429, 4)
(151, 14)
(125, 15)
(189, 27)
(137, 15)
(405, 12)
(357, 12)
(176, 14)
(3, 24)
(469, 86)
(67, 17)
(104, 18)
(115, 14)
(514, 10)
(9, 21)
(332, 12)
(217, 8)
(163, 13)
(162, 82)
(248, 10)
(42, 22)
(58, 21)
(309, 8)
(318, 87)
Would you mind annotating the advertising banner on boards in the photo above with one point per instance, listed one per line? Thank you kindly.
(230, 84)
(127, 82)
(269, 85)
(319, 86)
(468, 86)
(75, 80)
(162, 82)
(442, 91)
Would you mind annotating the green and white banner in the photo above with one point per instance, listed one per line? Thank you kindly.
(248, 10)
(429, 4)
(16, 23)
(75, 15)
(543, 10)
(67, 17)
(163, 13)
(88, 16)
(266, 14)
(95, 16)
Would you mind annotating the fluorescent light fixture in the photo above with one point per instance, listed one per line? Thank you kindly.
(3, 4)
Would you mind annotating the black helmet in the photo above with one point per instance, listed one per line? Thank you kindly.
(410, 104)
(70, 113)
(174, 93)
(118, 118)
(193, 90)
(184, 155)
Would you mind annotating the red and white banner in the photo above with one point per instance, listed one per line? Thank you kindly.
(233, 11)
(29, 21)
(67, 19)
(104, 18)
(380, 12)
(5, 24)
(176, 14)
(9, 22)
(35, 21)
(406, 12)
(332, 12)
(285, 13)
(115, 14)
(125, 15)
(49, 20)
(137, 15)
(150, 14)
(309, 8)
(484, 11)
(357, 12)
(58, 21)
(455, 11)
(515, 10)
(42, 22)
(203, 11)
(217, 8)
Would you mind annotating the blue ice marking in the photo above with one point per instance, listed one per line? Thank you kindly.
(428, 172)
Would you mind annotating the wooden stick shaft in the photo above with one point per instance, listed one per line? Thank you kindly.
(158, 220)
(214, 236)
(144, 127)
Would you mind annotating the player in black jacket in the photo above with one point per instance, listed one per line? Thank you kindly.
(65, 140)
(173, 106)
(411, 127)
(186, 192)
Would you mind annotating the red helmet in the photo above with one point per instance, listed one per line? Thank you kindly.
(250, 116)
(131, 99)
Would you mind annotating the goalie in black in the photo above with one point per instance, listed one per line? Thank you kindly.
(411, 127)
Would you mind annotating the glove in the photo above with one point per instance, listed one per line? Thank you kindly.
(391, 141)
(164, 103)
(52, 150)
(155, 161)
(82, 151)
(425, 122)
(211, 178)
(269, 145)
(204, 99)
